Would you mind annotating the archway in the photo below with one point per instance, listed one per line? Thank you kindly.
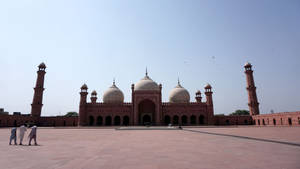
(274, 122)
(193, 119)
(99, 121)
(184, 120)
(91, 120)
(201, 119)
(125, 120)
(167, 120)
(146, 112)
(227, 122)
(175, 119)
(107, 120)
(117, 120)
(146, 119)
(290, 121)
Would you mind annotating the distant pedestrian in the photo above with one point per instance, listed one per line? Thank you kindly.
(13, 135)
(22, 132)
(32, 135)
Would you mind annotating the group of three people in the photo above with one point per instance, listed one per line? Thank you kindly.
(32, 135)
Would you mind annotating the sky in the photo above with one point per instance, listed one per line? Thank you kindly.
(199, 41)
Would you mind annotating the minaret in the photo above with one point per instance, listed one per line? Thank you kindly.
(82, 105)
(37, 103)
(209, 104)
(252, 98)
(208, 94)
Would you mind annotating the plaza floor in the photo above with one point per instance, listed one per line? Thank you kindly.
(191, 148)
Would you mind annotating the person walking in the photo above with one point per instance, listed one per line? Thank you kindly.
(22, 132)
(13, 135)
(32, 135)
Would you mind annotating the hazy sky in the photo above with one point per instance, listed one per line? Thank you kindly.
(198, 41)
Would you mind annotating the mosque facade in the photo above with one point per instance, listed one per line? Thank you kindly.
(147, 108)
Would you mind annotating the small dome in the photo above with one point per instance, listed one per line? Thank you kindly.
(248, 64)
(198, 92)
(146, 84)
(84, 86)
(179, 95)
(42, 65)
(113, 95)
(94, 92)
(208, 86)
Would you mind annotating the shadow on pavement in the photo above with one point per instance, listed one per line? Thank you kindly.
(245, 137)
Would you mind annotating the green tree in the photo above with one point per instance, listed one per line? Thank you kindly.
(240, 112)
(71, 113)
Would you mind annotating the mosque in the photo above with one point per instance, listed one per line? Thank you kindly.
(147, 108)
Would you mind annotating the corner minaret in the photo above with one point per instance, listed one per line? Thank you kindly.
(37, 103)
(82, 106)
(209, 104)
(252, 98)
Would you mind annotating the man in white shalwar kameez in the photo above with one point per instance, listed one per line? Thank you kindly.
(22, 132)
(32, 135)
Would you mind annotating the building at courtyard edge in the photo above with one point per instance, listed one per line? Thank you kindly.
(147, 108)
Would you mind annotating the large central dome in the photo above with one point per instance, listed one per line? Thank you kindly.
(146, 84)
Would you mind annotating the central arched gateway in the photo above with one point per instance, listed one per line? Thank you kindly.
(146, 112)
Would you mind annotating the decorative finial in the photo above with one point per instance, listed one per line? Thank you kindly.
(178, 82)
(146, 71)
(114, 81)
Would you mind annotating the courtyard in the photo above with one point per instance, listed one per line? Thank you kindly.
(198, 147)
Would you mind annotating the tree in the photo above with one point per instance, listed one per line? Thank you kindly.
(240, 112)
(71, 114)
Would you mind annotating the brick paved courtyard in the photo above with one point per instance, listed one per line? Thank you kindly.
(191, 148)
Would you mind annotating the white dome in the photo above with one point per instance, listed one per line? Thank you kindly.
(113, 95)
(146, 84)
(179, 95)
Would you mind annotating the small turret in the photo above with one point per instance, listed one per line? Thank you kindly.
(94, 97)
(248, 66)
(198, 96)
(42, 66)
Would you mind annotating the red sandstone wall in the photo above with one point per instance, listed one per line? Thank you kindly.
(104, 111)
(17, 120)
(278, 119)
(233, 120)
(58, 121)
(188, 111)
(282, 119)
